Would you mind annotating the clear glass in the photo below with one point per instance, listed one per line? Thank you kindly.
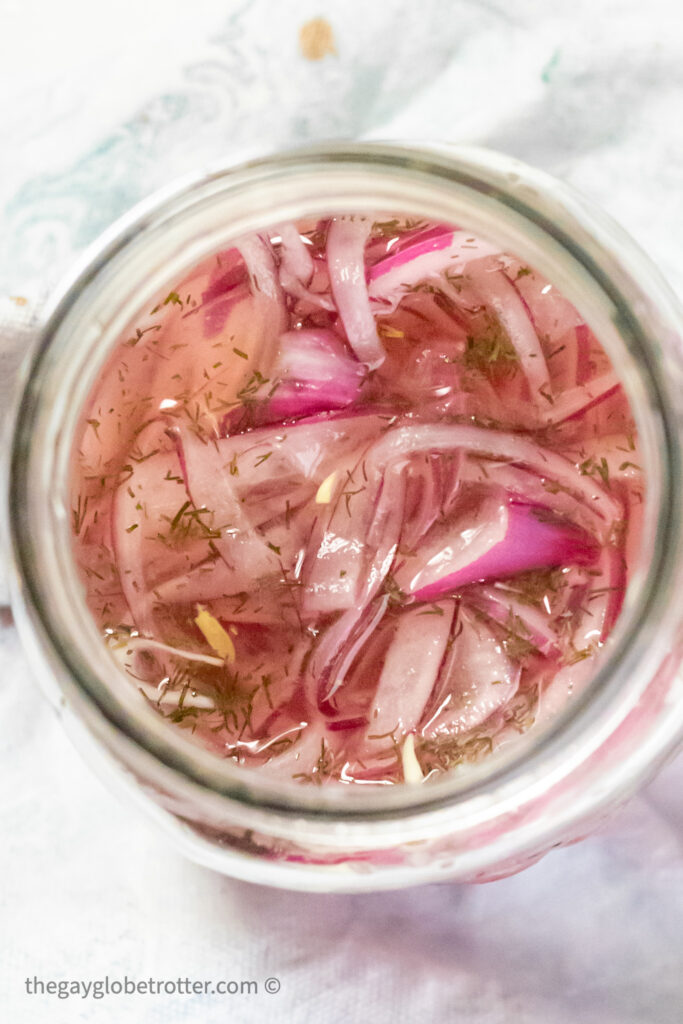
(495, 817)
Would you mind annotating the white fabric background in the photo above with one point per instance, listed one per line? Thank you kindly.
(100, 105)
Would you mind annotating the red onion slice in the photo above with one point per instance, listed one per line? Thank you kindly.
(300, 757)
(296, 261)
(432, 486)
(128, 551)
(583, 354)
(503, 607)
(317, 375)
(296, 400)
(346, 724)
(259, 261)
(144, 507)
(496, 444)
(497, 540)
(423, 499)
(411, 668)
(266, 291)
(477, 680)
(385, 528)
(334, 567)
(214, 579)
(209, 486)
(299, 273)
(496, 291)
(578, 400)
(344, 639)
(211, 581)
(228, 285)
(600, 608)
(281, 456)
(606, 596)
(318, 357)
(346, 263)
(451, 480)
(563, 362)
(428, 255)
(354, 546)
(334, 655)
(530, 488)
(553, 316)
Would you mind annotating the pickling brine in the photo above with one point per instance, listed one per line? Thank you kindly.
(357, 500)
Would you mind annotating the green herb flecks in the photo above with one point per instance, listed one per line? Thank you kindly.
(538, 587)
(520, 713)
(434, 610)
(253, 385)
(139, 334)
(325, 767)
(189, 523)
(580, 654)
(447, 752)
(490, 352)
(172, 299)
(394, 227)
(596, 468)
(392, 589)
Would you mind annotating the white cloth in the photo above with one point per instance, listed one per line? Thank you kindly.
(103, 103)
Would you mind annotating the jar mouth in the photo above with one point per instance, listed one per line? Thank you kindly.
(521, 209)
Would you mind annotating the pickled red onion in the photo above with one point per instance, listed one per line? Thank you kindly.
(411, 669)
(477, 679)
(500, 539)
(496, 444)
(498, 292)
(346, 264)
(427, 255)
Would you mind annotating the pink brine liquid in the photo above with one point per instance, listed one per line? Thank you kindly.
(357, 501)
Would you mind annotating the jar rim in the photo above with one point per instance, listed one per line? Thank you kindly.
(531, 197)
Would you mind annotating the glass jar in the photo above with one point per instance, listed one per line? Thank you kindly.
(497, 816)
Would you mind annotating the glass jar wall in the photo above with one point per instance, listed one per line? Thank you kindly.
(498, 815)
